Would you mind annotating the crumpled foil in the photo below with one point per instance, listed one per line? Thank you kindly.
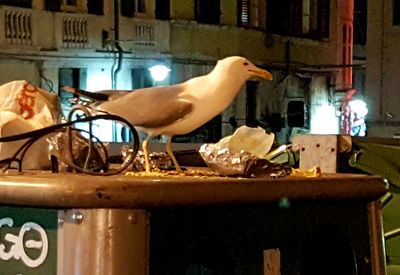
(157, 160)
(80, 151)
(240, 164)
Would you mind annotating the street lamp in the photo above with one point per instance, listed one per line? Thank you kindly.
(159, 72)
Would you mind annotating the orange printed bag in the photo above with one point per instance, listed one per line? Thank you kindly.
(25, 107)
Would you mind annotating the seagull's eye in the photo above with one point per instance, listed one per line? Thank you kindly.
(245, 63)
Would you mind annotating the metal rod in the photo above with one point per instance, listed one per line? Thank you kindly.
(393, 233)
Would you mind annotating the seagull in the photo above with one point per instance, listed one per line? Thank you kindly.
(181, 108)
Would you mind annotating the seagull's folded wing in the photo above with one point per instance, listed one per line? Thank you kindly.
(151, 107)
(98, 95)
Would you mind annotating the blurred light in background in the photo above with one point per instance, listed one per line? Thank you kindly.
(159, 72)
(359, 111)
(324, 120)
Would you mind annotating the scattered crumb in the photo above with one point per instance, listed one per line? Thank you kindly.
(197, 173)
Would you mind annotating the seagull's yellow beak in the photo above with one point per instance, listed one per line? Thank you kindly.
(261, 73)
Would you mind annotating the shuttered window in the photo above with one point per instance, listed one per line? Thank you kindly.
(252, 14)
(244, 12)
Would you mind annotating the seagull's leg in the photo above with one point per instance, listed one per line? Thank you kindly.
(146, 154)
(168, 146)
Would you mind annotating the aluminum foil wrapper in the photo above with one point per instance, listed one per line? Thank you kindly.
(80, 151)
(240, 164)
(158, 160)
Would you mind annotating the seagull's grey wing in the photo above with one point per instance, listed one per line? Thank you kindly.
(96, 96)
(150, 107)
(113, 94)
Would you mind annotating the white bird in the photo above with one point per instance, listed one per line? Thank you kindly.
(181, 108)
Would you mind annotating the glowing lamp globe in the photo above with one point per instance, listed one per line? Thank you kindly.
(159, 72)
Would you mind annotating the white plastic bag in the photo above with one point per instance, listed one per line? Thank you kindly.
(248, 139)
(23, 108)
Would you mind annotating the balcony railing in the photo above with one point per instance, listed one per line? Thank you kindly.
(18, 27)
(52, 31)
(144, 34)
(75, 32)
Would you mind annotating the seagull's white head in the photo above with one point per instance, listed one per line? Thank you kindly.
(239, 68)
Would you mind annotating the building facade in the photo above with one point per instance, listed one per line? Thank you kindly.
(106, 44)
(383, 60)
